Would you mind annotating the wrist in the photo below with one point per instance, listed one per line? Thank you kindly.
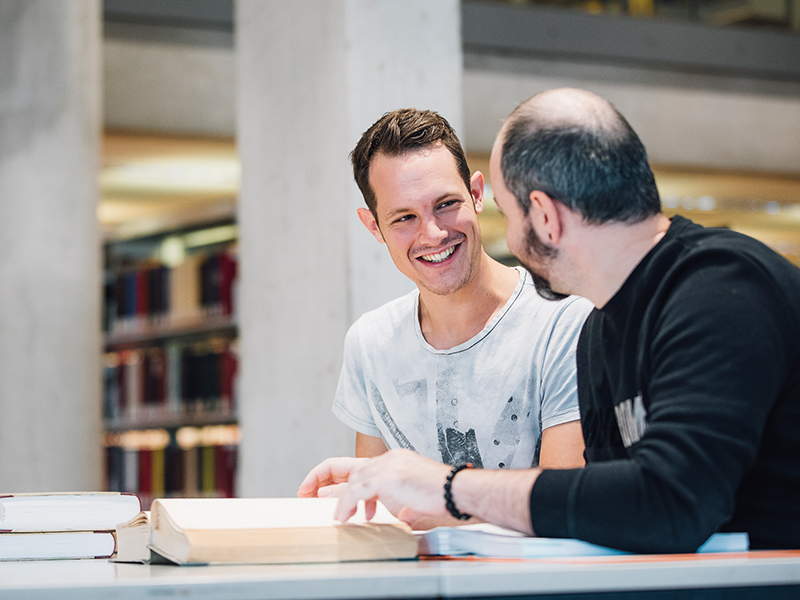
(449, 499)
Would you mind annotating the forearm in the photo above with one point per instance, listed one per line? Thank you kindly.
(497, 497)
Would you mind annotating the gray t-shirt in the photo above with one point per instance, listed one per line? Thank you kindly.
(485, 401)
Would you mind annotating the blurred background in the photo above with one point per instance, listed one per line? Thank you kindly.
(180, 256)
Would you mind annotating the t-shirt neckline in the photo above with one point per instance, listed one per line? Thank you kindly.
(523, 278)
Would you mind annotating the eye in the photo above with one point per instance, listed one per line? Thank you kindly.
(447, 204)
(403, 219)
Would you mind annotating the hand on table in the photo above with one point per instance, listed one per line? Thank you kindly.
(411, 486)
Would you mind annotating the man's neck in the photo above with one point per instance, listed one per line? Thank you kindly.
(610, 252)
(448, 321)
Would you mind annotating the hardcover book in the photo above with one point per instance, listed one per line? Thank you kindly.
(54, 545)
(87, 511)
(273, 530)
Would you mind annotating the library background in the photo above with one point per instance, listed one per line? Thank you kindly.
(177, 329)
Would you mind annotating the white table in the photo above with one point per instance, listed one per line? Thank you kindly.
(742, 576)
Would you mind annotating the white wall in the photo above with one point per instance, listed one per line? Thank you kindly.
(171, 87)
(50, 398)
(313, 75)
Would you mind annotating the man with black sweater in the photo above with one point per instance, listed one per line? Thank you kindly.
(688, 368)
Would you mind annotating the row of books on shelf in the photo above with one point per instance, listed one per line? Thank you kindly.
(158, 295)
(186, 462)
(175, 379)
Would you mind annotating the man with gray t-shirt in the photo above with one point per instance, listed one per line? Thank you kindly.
(473, 366)
(484, 401)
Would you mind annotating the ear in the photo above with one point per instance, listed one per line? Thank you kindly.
(476, 188)
(370, 223)
(545, 217)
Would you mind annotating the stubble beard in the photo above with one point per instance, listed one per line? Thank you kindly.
(446, 290)
(543, 253)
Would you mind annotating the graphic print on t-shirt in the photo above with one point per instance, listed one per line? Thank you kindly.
(455, 446)
(380, 406)
(414, 396)
(457, 410)
(505, 437)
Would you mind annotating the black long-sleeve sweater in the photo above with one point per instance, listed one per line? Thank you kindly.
(689, 389)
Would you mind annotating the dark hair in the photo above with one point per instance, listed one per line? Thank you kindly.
(398, 132)
(601, 173)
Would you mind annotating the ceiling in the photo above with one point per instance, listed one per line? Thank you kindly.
(154, 183)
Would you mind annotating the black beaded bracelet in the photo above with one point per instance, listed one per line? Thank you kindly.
(448, 495)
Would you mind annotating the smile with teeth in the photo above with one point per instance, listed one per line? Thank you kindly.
(439, 257)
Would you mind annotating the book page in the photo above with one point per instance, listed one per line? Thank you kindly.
(260, 513)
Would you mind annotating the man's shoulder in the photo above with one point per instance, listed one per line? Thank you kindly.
(388, 319)
(710, 250)
(698, 240)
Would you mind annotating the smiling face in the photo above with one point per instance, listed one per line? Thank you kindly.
(427, 218)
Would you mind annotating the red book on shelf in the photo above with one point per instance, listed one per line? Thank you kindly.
(145, 473)
(142, 306)
(228, 375)
(225, 470)
(145, 375)
(155, 376)
(227, 267)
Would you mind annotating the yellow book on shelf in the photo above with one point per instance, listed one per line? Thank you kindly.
(273, 530)
(185, 293)
(158, 471)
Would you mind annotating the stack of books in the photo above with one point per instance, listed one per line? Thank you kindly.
(62, 525)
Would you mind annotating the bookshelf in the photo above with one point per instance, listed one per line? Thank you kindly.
(170, 363)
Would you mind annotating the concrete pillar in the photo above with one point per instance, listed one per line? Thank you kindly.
(313, 75)
(49, 245)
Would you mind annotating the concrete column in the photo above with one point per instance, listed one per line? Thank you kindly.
(313, 75)
(49, 245)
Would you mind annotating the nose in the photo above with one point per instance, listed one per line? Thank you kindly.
(432, 233)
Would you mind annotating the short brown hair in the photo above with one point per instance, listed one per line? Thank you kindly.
(398, 132)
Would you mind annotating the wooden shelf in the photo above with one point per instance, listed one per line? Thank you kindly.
(146, 334)
(163, 420)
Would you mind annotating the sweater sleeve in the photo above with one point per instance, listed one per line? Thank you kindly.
(715, 352)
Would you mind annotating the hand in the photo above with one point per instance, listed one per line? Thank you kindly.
(330, 472)
(401, 479)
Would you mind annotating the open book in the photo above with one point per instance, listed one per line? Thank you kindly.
(490, 540)
(272, 530)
